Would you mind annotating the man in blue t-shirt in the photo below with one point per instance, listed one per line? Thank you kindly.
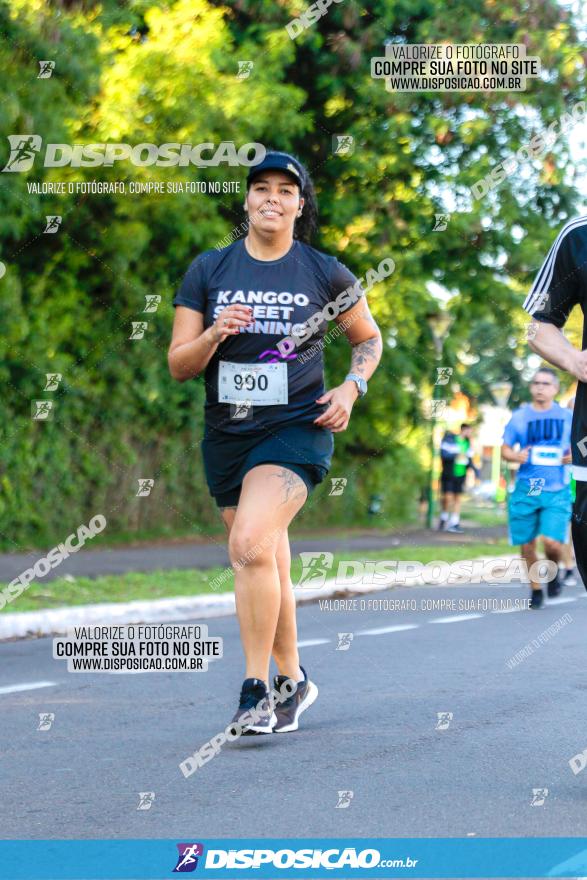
(541, 501)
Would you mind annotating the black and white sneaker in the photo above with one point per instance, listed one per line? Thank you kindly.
(554, 586)
(254, 713)
(456, 529)
(569, 579)
(288, 711)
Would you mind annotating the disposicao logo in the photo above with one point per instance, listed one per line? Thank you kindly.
(24, 148)
(187, 859)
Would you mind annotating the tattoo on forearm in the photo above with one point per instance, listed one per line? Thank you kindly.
(364, 352)
(366, 314)
(292, 486)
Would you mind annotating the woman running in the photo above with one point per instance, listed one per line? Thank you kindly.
(268, 420)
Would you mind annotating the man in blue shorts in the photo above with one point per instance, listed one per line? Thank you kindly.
(541, 501)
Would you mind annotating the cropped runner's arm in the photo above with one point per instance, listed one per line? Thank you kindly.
(365, 338)
(554, 293)
(510, 454)
(191, 346)
(551, 344)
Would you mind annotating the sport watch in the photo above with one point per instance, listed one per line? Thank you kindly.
(359, 382)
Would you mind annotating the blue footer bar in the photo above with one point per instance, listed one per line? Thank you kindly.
(294, 857)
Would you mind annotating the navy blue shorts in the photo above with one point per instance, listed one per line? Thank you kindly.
(305, 449)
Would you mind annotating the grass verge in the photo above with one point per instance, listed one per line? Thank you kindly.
(192, 582)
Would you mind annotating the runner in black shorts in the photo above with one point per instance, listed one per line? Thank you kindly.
(268, 420)
(456, 459)
(561, 284)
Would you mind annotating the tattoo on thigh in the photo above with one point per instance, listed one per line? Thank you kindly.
(221, 511)
(292, 485)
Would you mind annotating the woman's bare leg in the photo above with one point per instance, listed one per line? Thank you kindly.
(271, 495)
(285, 644)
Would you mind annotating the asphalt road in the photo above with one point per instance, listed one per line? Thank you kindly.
(373, 731)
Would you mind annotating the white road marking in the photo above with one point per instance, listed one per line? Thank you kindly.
(309, 642)
(29, 686)
(562, 601)
(455, 619)
(387, 629)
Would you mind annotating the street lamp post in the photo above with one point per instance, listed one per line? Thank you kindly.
(439, 323)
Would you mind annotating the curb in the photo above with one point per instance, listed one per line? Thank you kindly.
(57, 621)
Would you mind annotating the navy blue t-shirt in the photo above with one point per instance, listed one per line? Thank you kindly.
(284, 294)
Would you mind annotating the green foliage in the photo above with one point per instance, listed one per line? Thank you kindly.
(166, 72)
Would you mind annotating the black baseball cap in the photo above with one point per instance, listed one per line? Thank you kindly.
(275, 161)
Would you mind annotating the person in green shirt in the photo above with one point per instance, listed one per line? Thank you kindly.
(455, 454)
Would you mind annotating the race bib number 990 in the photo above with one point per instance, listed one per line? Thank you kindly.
(258, 384)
